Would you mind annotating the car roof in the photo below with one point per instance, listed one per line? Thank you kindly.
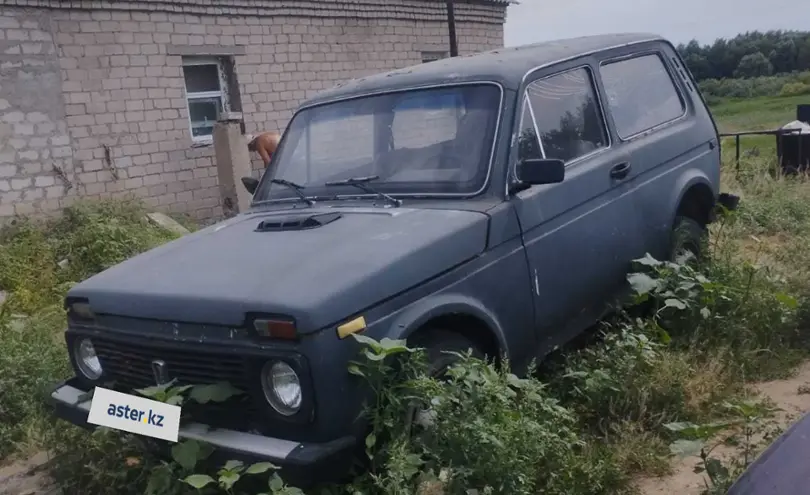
(506, 66)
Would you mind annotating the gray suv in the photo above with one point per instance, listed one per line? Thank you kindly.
(492, 202)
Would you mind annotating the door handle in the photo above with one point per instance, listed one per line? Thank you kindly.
(620, 171)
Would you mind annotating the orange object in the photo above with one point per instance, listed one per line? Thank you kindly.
(265, 144)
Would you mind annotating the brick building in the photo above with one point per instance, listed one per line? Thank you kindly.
(105, 98)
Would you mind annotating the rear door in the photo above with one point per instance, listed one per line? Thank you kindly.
(657, 123)
(577, 233)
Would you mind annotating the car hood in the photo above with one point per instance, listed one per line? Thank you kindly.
(317, 275)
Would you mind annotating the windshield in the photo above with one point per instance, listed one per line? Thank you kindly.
(416, 142)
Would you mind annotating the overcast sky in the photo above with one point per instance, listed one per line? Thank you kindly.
(678, 20)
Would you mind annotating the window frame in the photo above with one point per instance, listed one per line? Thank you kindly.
(491, 158)
(663, 59)
(222, 94)
(602, 115)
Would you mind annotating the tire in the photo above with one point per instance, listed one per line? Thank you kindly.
(436, 342)
(688, 235)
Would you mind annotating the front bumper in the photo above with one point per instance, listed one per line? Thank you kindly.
(329, 459)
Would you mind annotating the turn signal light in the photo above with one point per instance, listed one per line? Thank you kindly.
(275, 329)
(79, 310)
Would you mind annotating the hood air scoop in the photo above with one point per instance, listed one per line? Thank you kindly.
(297, 222)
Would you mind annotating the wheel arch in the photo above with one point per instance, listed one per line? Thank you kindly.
(456, 313)
(695, 199)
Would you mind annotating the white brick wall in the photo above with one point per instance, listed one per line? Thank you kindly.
(122, 89)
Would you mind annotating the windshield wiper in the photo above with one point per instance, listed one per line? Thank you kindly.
(362, 183)
(296, 188)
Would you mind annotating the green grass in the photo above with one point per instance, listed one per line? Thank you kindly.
(756, 114)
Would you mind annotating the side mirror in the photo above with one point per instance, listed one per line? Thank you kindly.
(537, 171)
(250, 184)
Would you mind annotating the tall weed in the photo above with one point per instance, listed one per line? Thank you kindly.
(32, 357)
(486, 429)
(39, 260)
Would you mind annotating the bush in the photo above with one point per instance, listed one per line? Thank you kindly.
(489, 431)
(626, 377)
(31, 359)
(715, 89)
(735, 307)
(96, 236)
(28, 272)
(39, 260)
(795, 89)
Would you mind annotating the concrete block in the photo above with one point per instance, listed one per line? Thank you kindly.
(167, 223)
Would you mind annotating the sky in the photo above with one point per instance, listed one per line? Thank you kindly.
(678, 20)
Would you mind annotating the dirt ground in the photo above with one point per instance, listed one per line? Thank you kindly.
(785, 395)
(27, 477)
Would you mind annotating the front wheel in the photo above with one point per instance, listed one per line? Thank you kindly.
(437, 343)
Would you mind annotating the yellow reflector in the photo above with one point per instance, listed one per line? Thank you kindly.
(355, 326)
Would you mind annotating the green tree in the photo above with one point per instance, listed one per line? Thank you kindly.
(783, 56)
(787, 52)
(754, 65)
(803, 54)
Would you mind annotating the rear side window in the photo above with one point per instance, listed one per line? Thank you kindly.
(563, 112)
(641, 94)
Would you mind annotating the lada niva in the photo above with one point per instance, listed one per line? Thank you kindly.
(492, 202)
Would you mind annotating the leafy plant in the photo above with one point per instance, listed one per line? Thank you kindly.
(480, 428)
(202, 394)
(187, 454)
(735, 306)
(232, 471)
(748, 429)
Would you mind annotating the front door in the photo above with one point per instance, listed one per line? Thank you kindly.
(577, 233)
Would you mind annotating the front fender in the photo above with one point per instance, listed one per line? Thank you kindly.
(426, 309)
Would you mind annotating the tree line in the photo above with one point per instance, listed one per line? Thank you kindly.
(750, 54)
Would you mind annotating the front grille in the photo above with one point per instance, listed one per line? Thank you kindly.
(130, 367)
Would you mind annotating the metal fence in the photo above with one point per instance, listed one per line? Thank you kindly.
(777, 133)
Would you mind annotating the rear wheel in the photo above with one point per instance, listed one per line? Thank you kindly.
(689, 239)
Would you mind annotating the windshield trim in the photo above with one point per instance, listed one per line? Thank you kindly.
(265, 179)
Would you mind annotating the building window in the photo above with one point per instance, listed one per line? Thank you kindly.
(206, 93)
(432, 56)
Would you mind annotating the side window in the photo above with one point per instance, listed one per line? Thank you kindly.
(528, 144)
(566, 115)
(641, 94)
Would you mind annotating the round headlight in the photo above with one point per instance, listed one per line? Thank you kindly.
(281, 387)
(86, 359)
